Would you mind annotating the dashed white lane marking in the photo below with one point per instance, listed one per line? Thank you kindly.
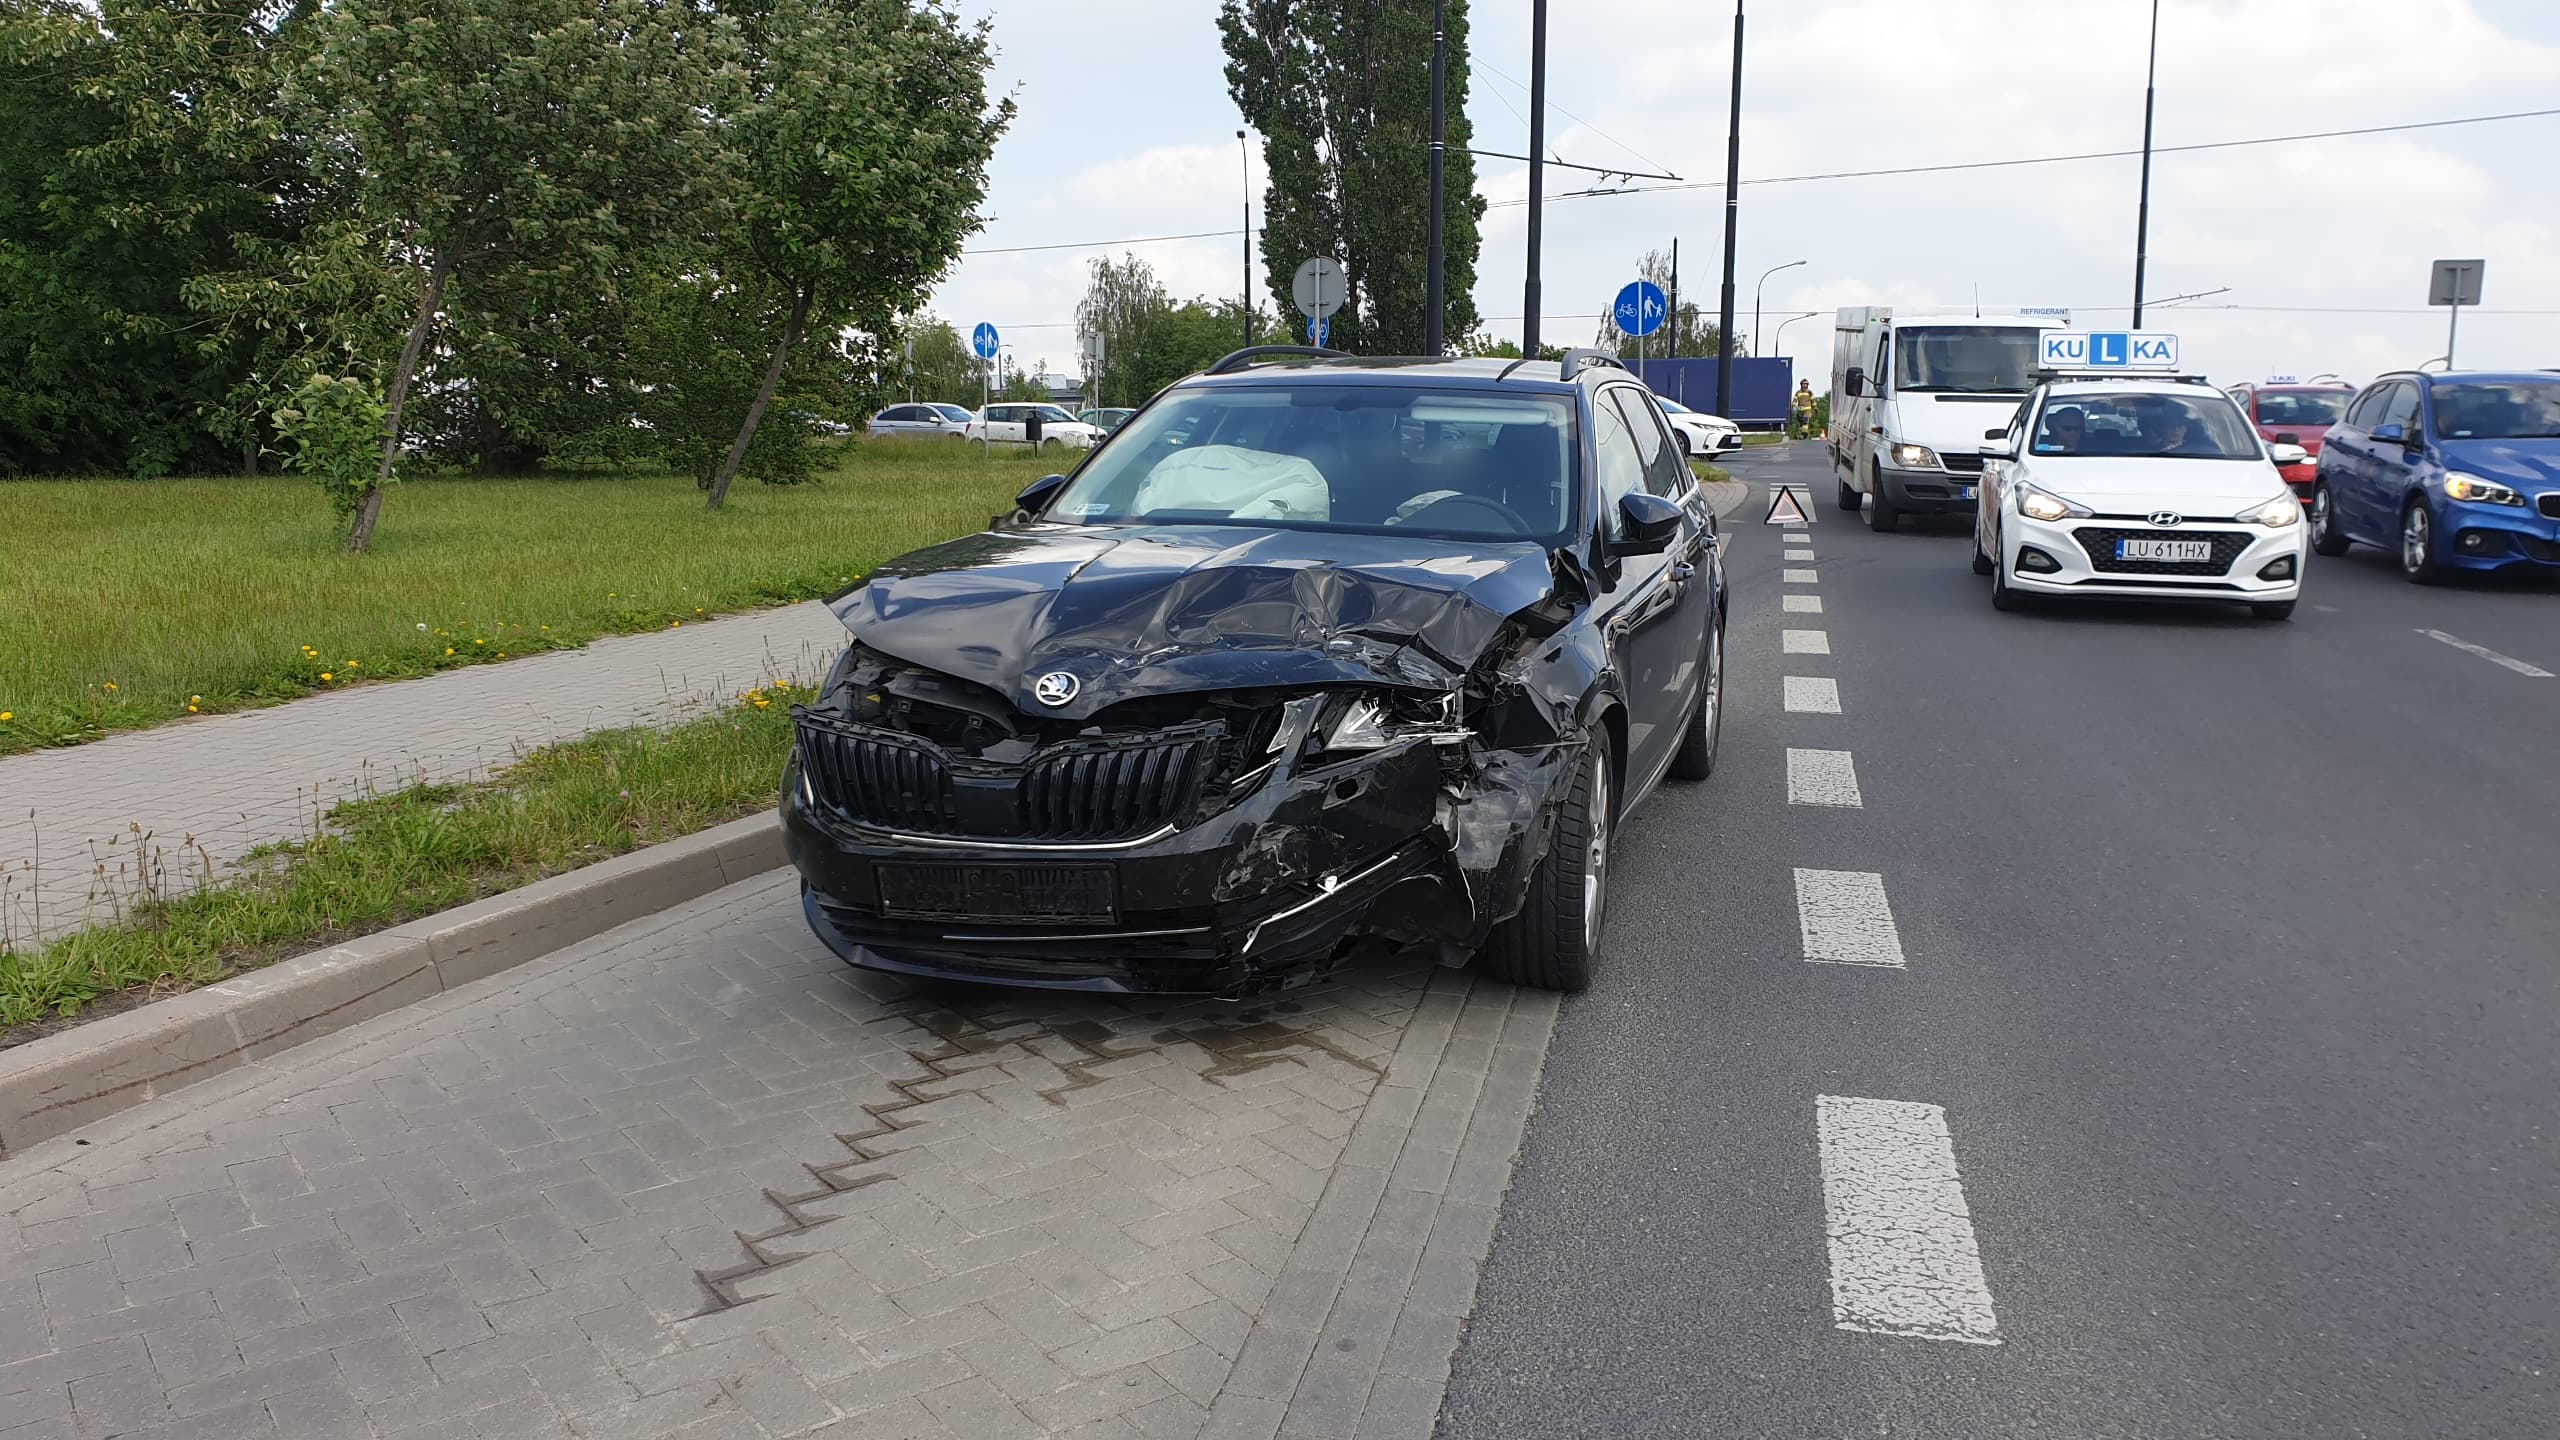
(1823, 777)
(2535, 672)
(1801, 604)
(1903, 1256)
(1813, 694)
(1799, 537)
(1799, 554)
(1793, 576)
(1846, 920)
(1805, 642)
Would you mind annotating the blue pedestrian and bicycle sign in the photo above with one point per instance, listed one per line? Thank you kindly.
(2106, 350)
(983, 340)
(1641, 308)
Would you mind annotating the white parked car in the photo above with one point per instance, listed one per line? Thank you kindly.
(922, 420)
(1705, 435)
(1010, 424)
(2138, 488)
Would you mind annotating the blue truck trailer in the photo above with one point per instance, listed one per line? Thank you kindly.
(1760, 386)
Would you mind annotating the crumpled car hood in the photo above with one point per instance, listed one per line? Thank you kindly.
(1141, 610)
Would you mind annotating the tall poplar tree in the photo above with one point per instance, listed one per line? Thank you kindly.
(1341, 92)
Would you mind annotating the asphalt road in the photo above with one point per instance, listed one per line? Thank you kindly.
(2232, 956)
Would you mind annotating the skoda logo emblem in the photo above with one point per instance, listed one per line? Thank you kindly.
(2158, 517)
(1055, 688)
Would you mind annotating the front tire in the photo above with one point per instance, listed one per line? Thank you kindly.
(2326, 538)
(1696, 759)
(1981, 563)
(2002, 597)
(1550, 944)
(1881, 516)
(2418, 545)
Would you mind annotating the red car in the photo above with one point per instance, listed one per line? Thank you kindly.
(2293, 414)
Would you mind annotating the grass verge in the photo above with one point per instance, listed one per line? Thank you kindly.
(132, 603)
(395, 857)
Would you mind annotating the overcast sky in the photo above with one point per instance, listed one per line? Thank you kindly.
(1126, 130)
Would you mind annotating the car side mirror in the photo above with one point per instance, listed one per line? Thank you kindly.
(1036, 496)
(1856, 381)
(2391, 433)
(2284, 454)
(2287, 437)
(1647, 524)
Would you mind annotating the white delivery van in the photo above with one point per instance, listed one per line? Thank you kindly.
(1911, 396)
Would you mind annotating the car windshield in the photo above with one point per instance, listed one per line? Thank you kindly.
(2302, 407)
(2498, 410)
(2145, 423)
(1964, 359)
(1378, 459)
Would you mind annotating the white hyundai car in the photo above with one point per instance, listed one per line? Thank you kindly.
(1703, 435)
(2155, 489)
(1010, 424)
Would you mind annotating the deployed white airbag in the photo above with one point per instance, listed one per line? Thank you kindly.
(1240, 483)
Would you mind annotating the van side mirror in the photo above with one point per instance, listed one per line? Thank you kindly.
(2001, 433)
(1036, 496)
(1855, 382)
(1647, 524)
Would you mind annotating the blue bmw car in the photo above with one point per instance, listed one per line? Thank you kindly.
(2449, 471)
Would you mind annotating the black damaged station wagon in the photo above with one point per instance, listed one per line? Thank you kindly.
(1314, 654)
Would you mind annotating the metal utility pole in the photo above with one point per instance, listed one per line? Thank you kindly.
(1755, 303)
(1732, 208)
(1433, 274)
(1537, 171)
(1246, 155)
(1675, 297)
(2142, 216)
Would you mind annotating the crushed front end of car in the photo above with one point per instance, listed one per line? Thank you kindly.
(1280, 767)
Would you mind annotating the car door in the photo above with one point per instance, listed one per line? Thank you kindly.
(893, 421)
(2343, 460)
(1655, 628)
(1995, 477)
(2390, 465)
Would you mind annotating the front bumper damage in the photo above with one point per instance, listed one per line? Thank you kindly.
(1420, 846)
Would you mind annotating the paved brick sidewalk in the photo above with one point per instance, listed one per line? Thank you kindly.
(232, 782)
(696, 1177)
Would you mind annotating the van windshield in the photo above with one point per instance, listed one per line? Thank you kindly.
(1964, 359)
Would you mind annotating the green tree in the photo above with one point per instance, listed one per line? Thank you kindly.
(860, 156)
(1485, 347)
(139, 148)
(1341, 91)
(1125, 304)
(542, 140)
(940, 369)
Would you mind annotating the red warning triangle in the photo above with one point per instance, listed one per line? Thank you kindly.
(1784, 508)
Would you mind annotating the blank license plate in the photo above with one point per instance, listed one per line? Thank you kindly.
(996, 892)
(2174, 551)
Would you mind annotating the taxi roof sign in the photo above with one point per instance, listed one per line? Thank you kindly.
(2107, 351)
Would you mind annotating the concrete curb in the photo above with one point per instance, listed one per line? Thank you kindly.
(61, 1082)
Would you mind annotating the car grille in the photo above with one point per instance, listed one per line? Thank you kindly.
(1962, 464)
(2101, 547)
(2539, 549)
(2550, 504)
(1084, 790)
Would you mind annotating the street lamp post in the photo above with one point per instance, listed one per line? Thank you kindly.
(1245, 155)
(1783, 324)
(2142, 212)
(1755, 300)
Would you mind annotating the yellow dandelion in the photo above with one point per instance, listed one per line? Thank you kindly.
(672, 625)
(192, 710)
(502, 654)
(111, 684)
(448, 649)
(479, 642)
(546, 629)
(8, 714)
(325, 676)
(192, 699)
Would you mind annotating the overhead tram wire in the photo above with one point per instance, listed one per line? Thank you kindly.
(2057, 159)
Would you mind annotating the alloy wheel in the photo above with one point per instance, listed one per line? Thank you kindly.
(1595, 863)
(2416, 544)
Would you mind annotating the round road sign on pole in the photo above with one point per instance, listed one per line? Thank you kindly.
(1641, 308)
(983, 340)
(1318, 287)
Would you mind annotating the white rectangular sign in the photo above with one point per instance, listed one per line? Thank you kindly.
(2106, 350)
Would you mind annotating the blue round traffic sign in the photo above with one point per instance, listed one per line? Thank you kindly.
(1641, 308)
(983, 340)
